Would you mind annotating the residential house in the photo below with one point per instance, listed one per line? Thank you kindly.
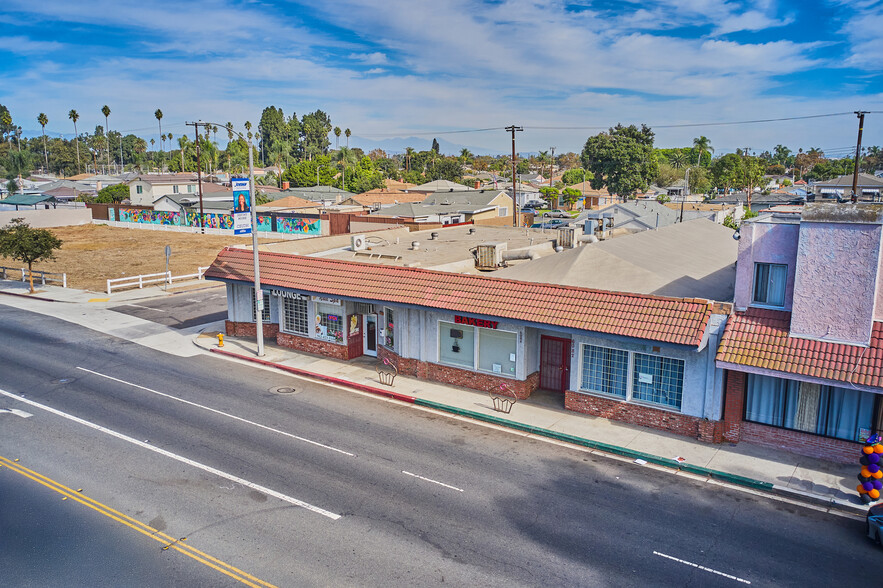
(146, 189)
(868, 187)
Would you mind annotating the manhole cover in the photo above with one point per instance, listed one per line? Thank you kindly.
(283, 390)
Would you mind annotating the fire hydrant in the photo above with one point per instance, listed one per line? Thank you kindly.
(220, 339)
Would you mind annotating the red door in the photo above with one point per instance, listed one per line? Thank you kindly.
(554, 363)
(354, 336)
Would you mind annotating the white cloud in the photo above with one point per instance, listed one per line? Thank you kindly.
(375, 58)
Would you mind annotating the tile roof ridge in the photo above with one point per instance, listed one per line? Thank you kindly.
(415, 270)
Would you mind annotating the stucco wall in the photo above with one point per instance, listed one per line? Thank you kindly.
(836, 281)
(47, 218)
(764, 243)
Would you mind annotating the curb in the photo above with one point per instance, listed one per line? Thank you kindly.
(733, 479)
(28, 296)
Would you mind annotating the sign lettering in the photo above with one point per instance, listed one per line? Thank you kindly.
(465, 320)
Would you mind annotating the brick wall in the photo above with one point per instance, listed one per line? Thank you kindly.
(249, 330)
(802, 443)
(459, 377)
(314, 346)
(646, 416)
(734, 405)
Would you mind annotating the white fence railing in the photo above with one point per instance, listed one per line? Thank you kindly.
(147, 279)
(16, 273)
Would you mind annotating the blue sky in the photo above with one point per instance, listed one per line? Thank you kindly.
(562, 70)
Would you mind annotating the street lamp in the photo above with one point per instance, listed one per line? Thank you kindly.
(686, 190)
(318, 167)
(258, 294)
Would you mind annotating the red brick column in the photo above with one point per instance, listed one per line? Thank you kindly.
(314, 346)
(734, 404)
(249, 330)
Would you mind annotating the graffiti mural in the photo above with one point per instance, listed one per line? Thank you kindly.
(150, 217)
(304, 226)
(265, 223)
(211, 219)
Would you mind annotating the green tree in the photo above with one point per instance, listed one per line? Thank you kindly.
(274, 129)
(75, 116)
(12, 187)
(347, 132)
(575, 176)
(115, 193)
(314, 129)
(550, 195)
(44, 120)
(621, 159)
(435, 146)
(445, 168)
(570, 196)
(105, 110)
(20, 242)
(667, 175)
(702, 144)
(726, 172)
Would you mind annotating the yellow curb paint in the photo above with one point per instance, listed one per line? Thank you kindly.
(99, 299)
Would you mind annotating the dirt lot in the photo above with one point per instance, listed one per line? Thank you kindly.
(92, 254)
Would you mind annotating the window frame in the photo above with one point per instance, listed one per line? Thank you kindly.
(476, 348)
(389, 335)
(266, 317)
(758, 265)
(284, 319)
(631, 376)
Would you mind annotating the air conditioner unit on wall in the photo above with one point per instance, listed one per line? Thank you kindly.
(489, 256)
(358, 243)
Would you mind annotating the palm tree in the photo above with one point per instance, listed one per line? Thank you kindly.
(343, 156)
(409, 151)
(158, 115)
(44, 120)
(337, 137)
(182, 143)
(6, 121)
(347, 133)
(465, 155)
(75, 116)
(677, 159)
(543, 158)
(702, 143)
(105, 110)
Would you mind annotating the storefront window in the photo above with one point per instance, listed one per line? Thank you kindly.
(496, 351)
(842, 413)
(605, 370)
(329, 323)
(456, 345)
(265, 313)
(390, 339)
(659, 380)
(294, 316)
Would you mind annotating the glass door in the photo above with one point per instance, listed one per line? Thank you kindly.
(370, 337)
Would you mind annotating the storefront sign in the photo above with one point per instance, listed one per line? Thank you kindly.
(283, 294)
(324, 300)
(465, 320)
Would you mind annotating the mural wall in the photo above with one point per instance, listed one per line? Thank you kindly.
(291, 225)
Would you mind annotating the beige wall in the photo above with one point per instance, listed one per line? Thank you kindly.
(41, 219)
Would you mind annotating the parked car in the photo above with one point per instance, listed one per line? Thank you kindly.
(874, 522)
(556, 214)
(551, 223)
(533, 205)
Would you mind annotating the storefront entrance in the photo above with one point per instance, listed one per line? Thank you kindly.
(554, 363)
(369, 341)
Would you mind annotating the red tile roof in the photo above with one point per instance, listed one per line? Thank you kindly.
(759, 338)
(672, 320)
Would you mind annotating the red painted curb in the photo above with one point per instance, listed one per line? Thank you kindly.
(330, 379)
(29, 296)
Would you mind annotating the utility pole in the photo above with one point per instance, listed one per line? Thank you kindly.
(195, 126)
(512, 129)
(858, 149)
(747, 177)
(551, 164)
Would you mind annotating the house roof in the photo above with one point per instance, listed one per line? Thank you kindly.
(165, 178)
(436, 185)
(288, 202)
(760, 338)
(864, 180)
(671, 320)
(384, 197)
(695, 258)
(459, 198)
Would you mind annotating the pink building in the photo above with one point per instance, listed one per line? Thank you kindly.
(803, 351)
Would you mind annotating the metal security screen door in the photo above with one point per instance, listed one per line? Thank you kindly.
(554, 363)
(370, 345)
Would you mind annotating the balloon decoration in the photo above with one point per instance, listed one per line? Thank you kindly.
(871, 475)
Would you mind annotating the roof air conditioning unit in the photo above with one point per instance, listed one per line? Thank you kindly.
(489, 256)
(567, 237)
(358, 243)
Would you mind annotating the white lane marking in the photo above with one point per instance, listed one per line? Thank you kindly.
(222, 413)
(433, 481)
(145, 307)
(703, 568)
(17, 412)
(177, 457)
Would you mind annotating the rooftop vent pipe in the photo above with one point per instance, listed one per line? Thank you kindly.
(415, 245)
(433, 236)
(525, 254)
(472, 230)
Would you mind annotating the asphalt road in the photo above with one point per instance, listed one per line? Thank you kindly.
(325, 486)
(181, 311)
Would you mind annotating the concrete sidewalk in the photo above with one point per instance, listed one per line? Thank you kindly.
(58, 294)
(823, 484)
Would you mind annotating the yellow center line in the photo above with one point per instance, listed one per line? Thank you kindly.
(168, 541)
